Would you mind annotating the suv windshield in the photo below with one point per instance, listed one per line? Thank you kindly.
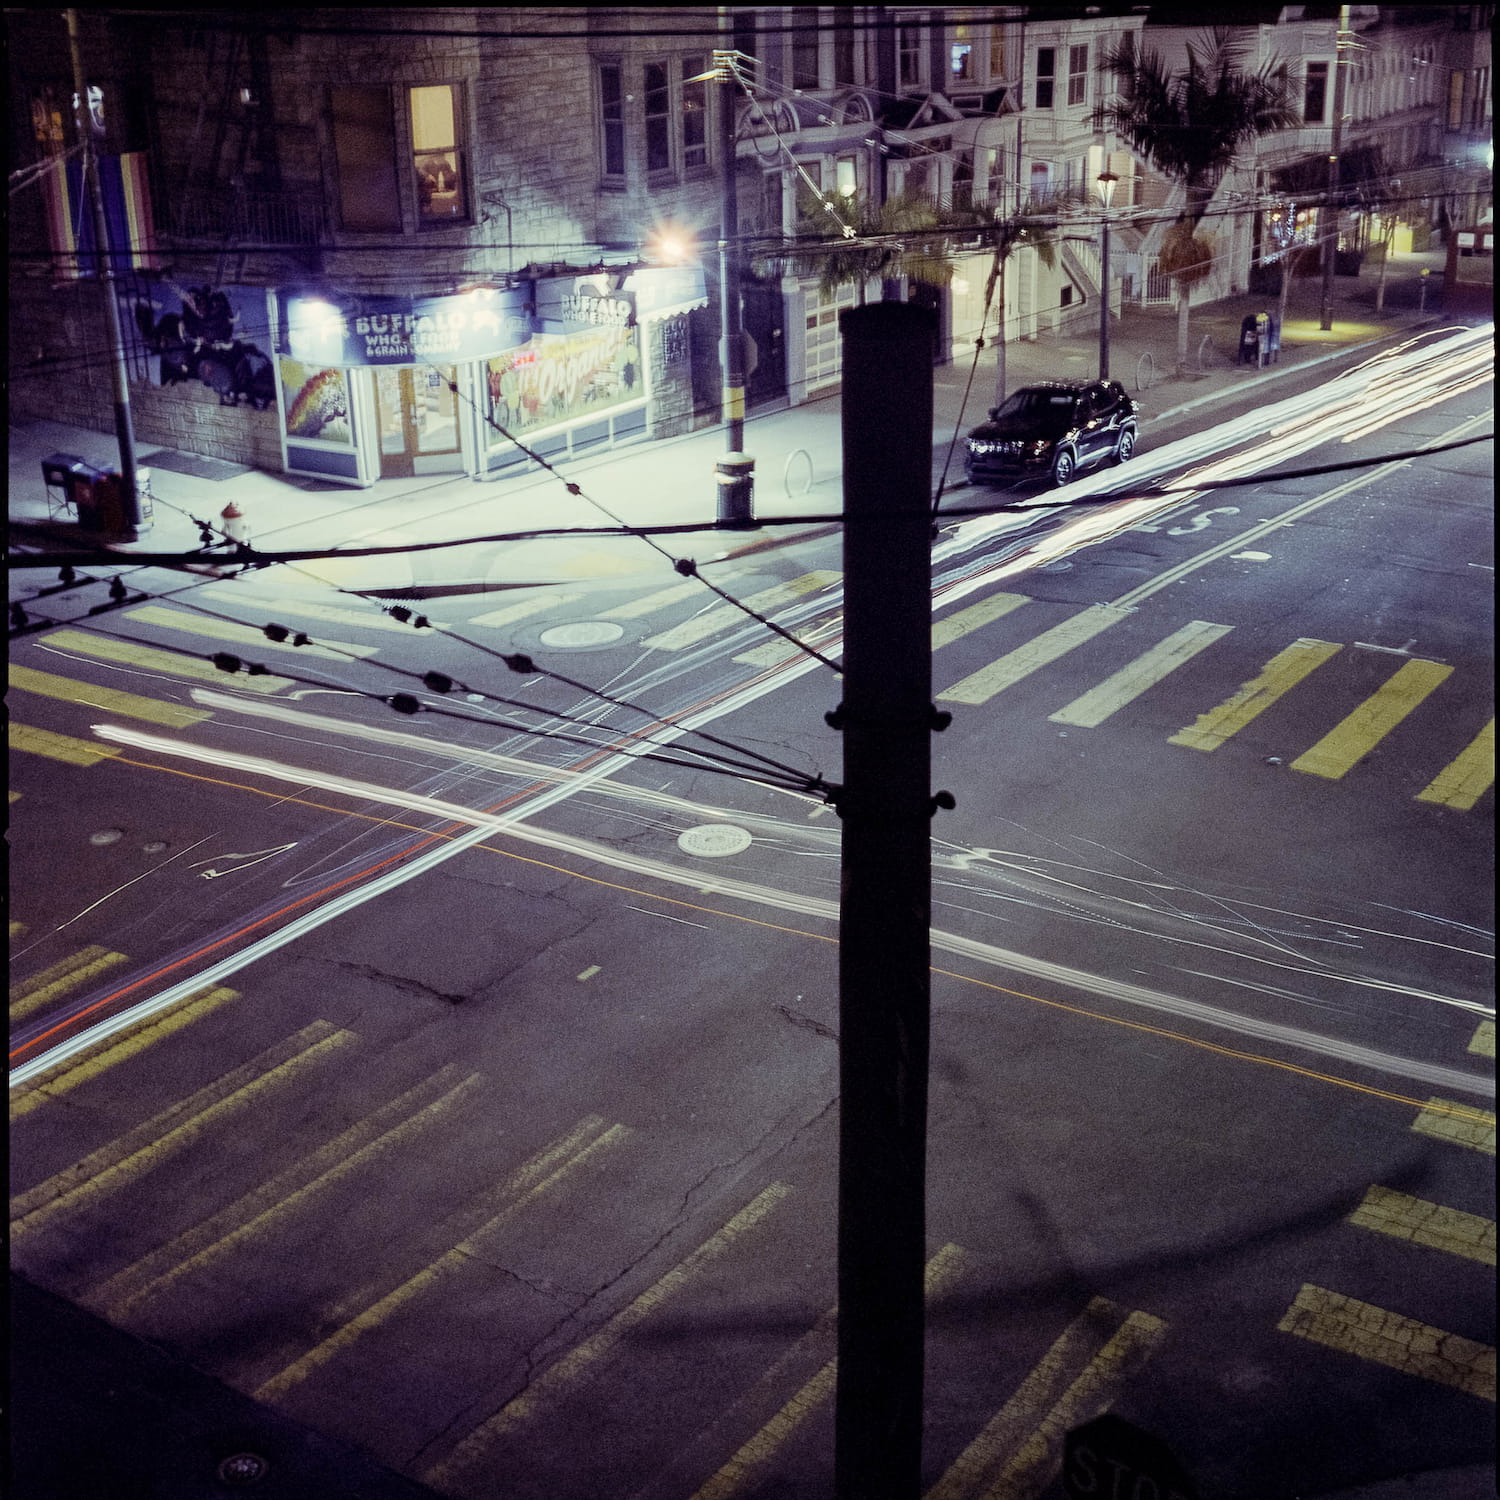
(1039, 405)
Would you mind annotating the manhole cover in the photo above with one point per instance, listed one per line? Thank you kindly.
(583, 633)
(242, 1469)
(107, 836)
(713, 840)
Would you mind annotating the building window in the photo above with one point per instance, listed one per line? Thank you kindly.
(845, 176)
(995, 190)
(1455, 100)
(658, 118)
(1046, 74)
(1078, 74)
(1314, 93)
(843, 52)
(961, 56)
(611, 120)
(997, 53)
(437, 153)
(805, 50)
(771, 203)
(963, 179)
(694, 113)
(364, 147)
(909, 55)
(1041, 180)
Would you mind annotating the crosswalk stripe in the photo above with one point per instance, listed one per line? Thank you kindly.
(1483, 1040)
(585, 1357)
(1040, 651)
(271, 1204)
(246, 635)
(1387, 1338)
(1095, 706)
(366, 619)
(1464, 780)
(520, 1189)
(14, 797)
(1279, 675)
(17, 930)
(1444, 1120)
(940, 1273)
(1075, 1380)
(533, 604)
(132, 705)
(153, 658)
(63, 747)
(1349, 741)
(38, 992)
(711, 621)
(633, 609)
(69, 1074)
(974, 617)
(173, 1129)
(1423, 1223)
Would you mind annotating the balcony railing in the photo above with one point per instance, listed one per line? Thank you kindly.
(248, 216)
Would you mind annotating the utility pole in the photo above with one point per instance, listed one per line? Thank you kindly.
(886, 808)
(1107, 181)
(736, 470)
(124, 430)
(1331, 242)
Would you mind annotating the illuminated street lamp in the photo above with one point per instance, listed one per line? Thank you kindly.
(1107, 181)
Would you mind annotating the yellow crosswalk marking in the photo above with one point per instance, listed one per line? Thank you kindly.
(940, 1273)
(63, 747)
(1467, 778)
(974, 617)
(711, 621)
(1279, 675)
(1040, 651)
(1020, 1447)
(367, 1142)
(1346, 743)
(1483, 1040)
(15, 797)
(1373, 1333)
(40, 990)
(586, 1357)
(522, 1189)
(633, 609)
(1444, 1120)
(367, 619)
(245, 635)
(532, 604)
(1096, 705)
(17, 930)
(1423, 1223)
(151, 658)
(68, 1075)
(111, 700)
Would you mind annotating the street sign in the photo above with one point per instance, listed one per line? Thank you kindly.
(1109, 1459)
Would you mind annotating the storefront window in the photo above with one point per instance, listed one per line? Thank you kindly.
(435, 409)
(317, 402)
(558, 378)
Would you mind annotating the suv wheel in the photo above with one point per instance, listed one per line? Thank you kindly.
(1125, 447)
(1064, 466)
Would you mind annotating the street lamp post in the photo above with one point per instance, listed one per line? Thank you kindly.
(1107, 181)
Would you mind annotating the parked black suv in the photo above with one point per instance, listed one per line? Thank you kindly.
(1052, 430)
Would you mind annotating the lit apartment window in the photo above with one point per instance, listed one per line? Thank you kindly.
(1078, 74)
(437, 153)
(694, 113)
(364, 148)
(845, 176)
(909, 55)
(1314, 93)
(961, 56)
(997, 53)
(658, 118)
(611, 120)
(1046, 76)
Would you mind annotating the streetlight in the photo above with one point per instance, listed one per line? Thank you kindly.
(1107, 181)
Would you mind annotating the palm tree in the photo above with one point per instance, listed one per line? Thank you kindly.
(1190, 124)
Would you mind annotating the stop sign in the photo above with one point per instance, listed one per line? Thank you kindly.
(1109, 1459)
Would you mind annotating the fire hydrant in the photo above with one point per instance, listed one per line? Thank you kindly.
(236, 528)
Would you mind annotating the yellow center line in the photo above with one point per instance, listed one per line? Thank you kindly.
(1349, 741)
(1040, 651)
(1279, 675)
(1467, 778)
(1093, 707)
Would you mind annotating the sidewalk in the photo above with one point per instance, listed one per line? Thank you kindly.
(797, 452)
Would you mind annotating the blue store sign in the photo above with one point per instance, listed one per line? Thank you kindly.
(345, 330)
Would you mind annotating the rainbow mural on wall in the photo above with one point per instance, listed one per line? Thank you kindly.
(127, 215)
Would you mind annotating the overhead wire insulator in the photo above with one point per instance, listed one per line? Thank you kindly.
(438, 682)
(520, 662)
(275, 632)
(404, 703)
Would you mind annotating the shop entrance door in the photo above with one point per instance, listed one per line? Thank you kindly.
(418, 421)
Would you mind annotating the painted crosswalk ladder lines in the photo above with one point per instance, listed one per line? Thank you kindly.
(1125, 686)
(264, 1209)
(522, 609)
(28, 996)
(1483, 1040)
(539, 1176)
(1387, 1338)
(88, 1065)
(110, 700)
(150, 1145)
(1020, 1449)
(633, 609)
(1465, 779)
(1277, 678)
(157, 659)
(245, 635)
(1405, 1218)
(1040, 651)
(752, 1457)
(1445, 1120)
(63, 747)
(373, 618)
(712, 621)
(974, 617)
(1348, 742)
(587, 1358)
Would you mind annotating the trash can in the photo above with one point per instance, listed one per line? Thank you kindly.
(735, 473)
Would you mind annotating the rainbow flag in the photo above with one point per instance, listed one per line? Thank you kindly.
(127, 216)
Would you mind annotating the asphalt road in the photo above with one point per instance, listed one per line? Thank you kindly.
(506, 1152)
